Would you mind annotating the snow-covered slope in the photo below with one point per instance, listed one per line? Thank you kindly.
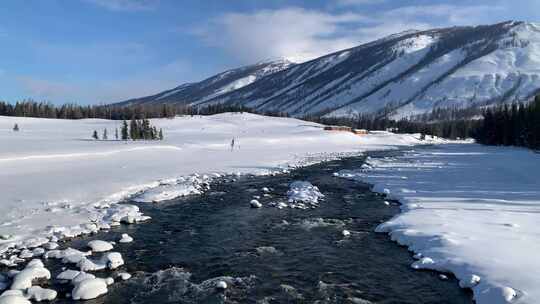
(214, 86)
(403, 74)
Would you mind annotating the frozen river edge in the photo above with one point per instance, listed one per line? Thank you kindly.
(469, 210)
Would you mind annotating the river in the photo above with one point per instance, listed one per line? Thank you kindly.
(271, 255)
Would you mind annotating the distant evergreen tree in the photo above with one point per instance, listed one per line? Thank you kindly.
(154, 133)
(134, 133)
(95, 135)
(105, 136)
(125, 131)
(16, 128)
(160, 134)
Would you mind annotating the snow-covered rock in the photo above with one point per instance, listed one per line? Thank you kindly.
(39, 294)
(67, 275)
(13, 297)
(125, 238)
(100, 246)
(33, 271)
(90, 288)
(113, 260)
(222, 285)
(255, 204)
(123, 275)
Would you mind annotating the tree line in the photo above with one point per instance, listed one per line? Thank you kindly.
(451, 129)
(511, 125)
(30, 108)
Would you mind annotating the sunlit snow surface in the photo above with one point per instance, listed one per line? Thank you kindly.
(470, 210)
(58, 182)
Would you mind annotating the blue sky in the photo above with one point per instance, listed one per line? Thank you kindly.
(98, 51)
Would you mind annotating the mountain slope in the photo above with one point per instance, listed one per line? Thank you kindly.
(213, 87)
(404, 74)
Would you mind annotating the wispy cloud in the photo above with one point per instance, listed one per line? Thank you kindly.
(293, 33)
(301, 34)
(445, 14)
(126, 5)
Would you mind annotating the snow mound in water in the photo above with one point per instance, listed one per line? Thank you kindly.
(41, 294)
(125, 238)
(303, 195)
(110, 260)
(90, 288)
(99, 246)
(267, 250)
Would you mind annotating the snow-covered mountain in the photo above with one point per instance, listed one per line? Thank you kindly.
(215, 86)
(403, 74)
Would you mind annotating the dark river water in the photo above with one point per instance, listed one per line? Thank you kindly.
(270, 255)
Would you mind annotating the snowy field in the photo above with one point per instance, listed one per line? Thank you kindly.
(470, 210)
(57, 181)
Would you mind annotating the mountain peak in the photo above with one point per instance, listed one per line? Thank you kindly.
(408, 73)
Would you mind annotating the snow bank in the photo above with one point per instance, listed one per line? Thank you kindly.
(171, 189)
(470, 210)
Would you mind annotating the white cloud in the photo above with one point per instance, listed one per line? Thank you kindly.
(126, 5)
(293, 33)
(446, 14)
(300, 34)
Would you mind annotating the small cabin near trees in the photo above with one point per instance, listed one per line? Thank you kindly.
(346, 129)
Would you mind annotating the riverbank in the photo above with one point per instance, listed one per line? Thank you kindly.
(470, 210)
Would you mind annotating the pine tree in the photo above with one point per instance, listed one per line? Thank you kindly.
(16, 128)
(104, 137)
(125, 132)
(153, 133)
(134, 129)
(95, 135)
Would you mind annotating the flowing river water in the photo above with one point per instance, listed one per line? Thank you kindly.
(271, 255)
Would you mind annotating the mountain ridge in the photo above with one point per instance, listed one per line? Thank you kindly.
(400, 75)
